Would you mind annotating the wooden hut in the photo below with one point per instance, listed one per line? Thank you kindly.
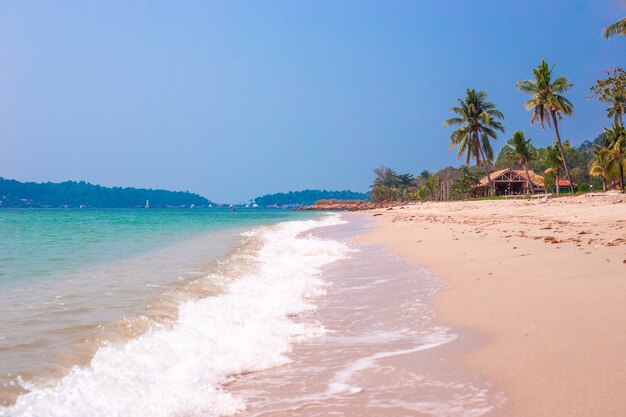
(510, 182)
(514, 182)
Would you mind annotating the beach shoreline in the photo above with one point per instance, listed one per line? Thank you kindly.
(542, 283)
(380, 354)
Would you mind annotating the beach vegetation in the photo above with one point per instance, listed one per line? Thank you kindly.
(428, 184)
(468, 178)
(602, 165)
(307, 197)
(478, 122)
(616, 146)
(521, 151)
(612, 91)
(553, 158)
(548, 104)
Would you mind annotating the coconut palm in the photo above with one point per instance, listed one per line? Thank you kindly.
(429, 186)
(602, 164)
(552, 158)
(548, 104)
(478, 121)
(617, 28)
(521, 152)
(616, 138)
(616, 109)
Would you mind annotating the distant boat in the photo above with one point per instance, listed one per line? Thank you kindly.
(255, 205)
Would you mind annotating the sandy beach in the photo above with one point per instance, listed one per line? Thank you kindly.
(543, 286)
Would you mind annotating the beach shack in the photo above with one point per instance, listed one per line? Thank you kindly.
(510, 182)
(514, 182)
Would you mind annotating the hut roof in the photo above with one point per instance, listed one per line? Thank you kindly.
(496, 175)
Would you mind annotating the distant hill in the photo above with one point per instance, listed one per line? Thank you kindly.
(588, 144)
(307, 197)
(75, 194)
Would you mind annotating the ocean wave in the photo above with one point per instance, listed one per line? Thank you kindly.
(182, 369)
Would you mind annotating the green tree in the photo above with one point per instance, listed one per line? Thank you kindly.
(405, 180)
(386, 176)
(616, 138)
(478, 121)
(466, 181)
(548, 103)
(522, 152)
(553, 160)
(549, 180)
(601, 165)
(429, 186)
(612, 91)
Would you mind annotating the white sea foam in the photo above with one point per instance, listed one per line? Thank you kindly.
(339, 384)
(182, 370)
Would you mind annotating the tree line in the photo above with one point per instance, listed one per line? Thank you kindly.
(306, 197)
(76, 194)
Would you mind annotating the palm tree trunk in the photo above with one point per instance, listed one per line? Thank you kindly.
(487, 170)
(530, 182)
(558, 139)
(603, 183)
(621, 175)
(556, 183)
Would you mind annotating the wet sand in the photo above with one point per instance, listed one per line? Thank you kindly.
(382, 353)
(544, 285)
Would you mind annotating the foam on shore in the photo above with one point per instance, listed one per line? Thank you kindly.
(181, 370)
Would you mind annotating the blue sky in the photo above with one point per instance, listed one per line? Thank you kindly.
(236, 99)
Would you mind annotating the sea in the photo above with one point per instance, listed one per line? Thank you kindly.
(214, 312)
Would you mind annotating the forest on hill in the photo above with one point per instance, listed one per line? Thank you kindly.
(82, 194)
(307, 197)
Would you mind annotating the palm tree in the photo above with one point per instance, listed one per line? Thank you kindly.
(548, 104)
(478, 122)
(429, 186)
(552, 158)
(616, 138)
(617, 106)
(521, 152)
(602, 164)
(617, 28)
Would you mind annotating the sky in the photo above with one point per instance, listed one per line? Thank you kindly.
(236, 99)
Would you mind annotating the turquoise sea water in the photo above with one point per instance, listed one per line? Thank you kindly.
(72, 279)
(45, 244)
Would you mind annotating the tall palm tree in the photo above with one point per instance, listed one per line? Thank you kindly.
(478, 123)
(522, 152)
(617, 28)
(552, 158)
(602, 164)
(617, 107)
(548, 104)
(616, 138)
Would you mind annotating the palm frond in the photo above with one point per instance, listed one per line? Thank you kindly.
(617, 28)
